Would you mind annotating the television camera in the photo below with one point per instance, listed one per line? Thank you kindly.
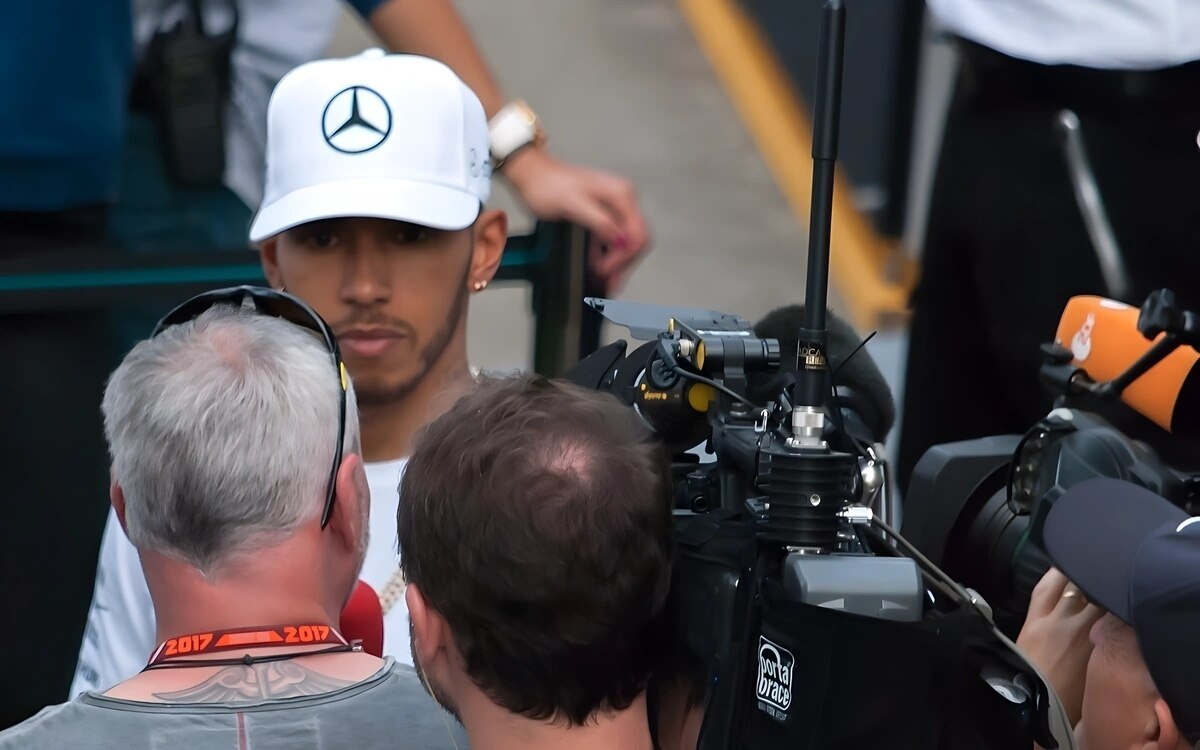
(977, 507)
(799, 616)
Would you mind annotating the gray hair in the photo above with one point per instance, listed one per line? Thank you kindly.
(222, 434)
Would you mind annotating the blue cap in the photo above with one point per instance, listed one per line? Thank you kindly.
(1138, 556)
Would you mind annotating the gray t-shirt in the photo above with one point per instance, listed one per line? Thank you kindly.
(388, 710)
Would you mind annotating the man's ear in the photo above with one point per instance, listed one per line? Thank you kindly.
(429, 629)
(117, 496)
(1162, 733)
(491, 234)
(268, 253)
(351, 502)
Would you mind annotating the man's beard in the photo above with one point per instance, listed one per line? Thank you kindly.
(439, 696)
(426, 357)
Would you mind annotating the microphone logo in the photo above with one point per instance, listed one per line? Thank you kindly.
(812, 356)
(776, 666)
(1081, 342)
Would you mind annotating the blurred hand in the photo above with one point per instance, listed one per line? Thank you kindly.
(604, 203)
(1055, 637)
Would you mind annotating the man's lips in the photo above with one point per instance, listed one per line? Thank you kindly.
(368, 342)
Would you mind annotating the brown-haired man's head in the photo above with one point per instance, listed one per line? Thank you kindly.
(536, 541)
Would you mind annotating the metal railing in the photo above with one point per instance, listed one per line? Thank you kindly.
(552, 259)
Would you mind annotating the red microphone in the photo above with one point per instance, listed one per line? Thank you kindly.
(1104, 340)
(362, 619)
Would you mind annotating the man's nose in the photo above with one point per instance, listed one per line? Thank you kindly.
(365, 276)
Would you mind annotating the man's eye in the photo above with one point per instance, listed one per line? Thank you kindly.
(315, 235)
(318, 239)
(322, 239)
(411, 234)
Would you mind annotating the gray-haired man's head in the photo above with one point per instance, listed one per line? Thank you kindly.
(221, 431)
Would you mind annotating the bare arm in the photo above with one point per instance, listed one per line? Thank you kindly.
(553, 189)
(434, 29)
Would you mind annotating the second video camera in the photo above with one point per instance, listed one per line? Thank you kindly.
(1127, 407)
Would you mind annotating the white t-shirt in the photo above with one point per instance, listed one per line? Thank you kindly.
(120, 627)
(1109, 34)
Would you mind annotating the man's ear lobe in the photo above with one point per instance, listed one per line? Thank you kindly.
(268, 253)
(117, 496)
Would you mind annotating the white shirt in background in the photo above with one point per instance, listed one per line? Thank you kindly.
(120, 628)
(1109, 34)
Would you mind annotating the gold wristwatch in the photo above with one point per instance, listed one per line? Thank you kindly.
(513, 128)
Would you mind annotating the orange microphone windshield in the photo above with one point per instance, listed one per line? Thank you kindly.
(1104, 340)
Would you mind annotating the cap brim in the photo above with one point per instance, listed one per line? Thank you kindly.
(423, 203)
(1093, 533)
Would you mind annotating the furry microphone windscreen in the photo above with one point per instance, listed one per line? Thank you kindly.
(872, 397)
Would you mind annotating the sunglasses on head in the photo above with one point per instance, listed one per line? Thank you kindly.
(277, 304)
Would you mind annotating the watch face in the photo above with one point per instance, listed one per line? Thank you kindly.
(513, 128)
(526, 112)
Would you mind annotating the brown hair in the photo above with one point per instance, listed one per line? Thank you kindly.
(533, 518)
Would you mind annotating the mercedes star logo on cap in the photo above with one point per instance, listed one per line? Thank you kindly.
(355, 120)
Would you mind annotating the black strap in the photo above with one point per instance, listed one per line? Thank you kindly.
(248, 660)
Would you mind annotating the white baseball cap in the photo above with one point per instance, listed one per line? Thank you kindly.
(384, 136)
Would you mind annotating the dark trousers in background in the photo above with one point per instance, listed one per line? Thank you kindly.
(55, 468)
(1006, 246)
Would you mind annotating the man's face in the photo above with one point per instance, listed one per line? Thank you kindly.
(394, 293)
(1119, 695)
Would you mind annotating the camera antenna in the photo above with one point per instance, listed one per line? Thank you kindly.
(811, 485)
(812, 382)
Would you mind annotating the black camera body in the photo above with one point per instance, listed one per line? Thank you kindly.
(977, 507)
(795, 619)
(797, 616)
